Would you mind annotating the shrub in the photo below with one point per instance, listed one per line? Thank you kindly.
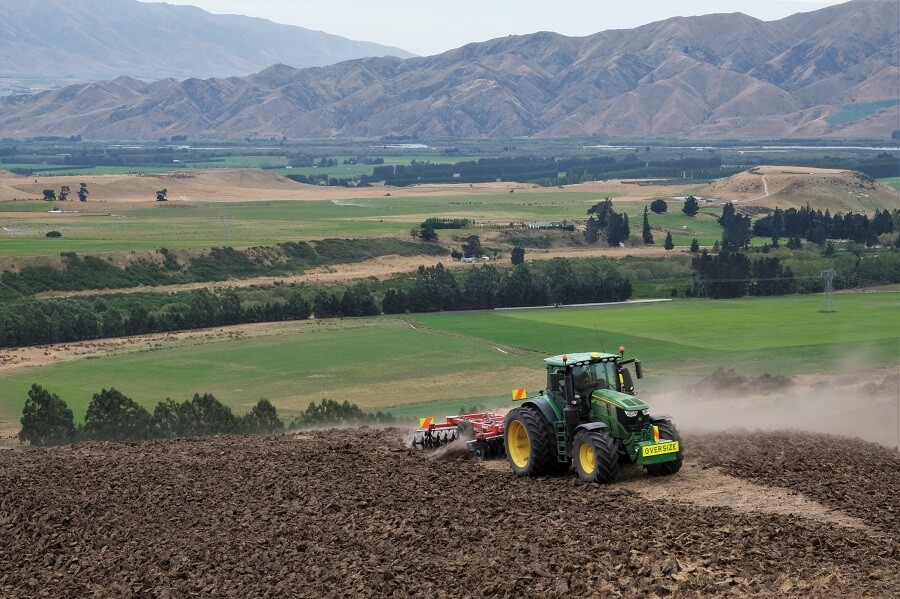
(111, 416)
(262, 419)
(46, 419)
(54, 234)
(330, 412)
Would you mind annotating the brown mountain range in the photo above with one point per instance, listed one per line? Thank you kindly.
(834, 72)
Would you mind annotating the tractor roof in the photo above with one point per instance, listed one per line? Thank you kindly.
(581, 357)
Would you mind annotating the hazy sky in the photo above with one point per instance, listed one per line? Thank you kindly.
(429, 27)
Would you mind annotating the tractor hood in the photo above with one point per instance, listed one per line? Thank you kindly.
(620, 400)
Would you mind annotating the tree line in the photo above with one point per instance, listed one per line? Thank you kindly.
(112, 416)
(556, 281)
(39, 322)
(817, 226)
(549, 171)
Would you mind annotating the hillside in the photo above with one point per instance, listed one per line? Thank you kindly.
(57, 41)
(828, 73)
(793, 187)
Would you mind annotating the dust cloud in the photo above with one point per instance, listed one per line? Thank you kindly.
(865, 405)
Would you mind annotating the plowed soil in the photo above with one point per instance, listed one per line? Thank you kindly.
(355, 513)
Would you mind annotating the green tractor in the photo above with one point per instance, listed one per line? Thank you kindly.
(589, 415)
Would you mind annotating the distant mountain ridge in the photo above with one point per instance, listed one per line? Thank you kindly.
(93, 40)
(723, 75)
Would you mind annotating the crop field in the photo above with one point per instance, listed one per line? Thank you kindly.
(446, 361)
(197, 225)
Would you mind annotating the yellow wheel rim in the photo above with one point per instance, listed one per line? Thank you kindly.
(587, 458)
(518, 446)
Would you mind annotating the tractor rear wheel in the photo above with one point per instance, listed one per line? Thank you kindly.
(596, 457)
(667, 430)
(529, 450)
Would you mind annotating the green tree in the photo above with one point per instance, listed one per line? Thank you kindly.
(161, 195)
(46, 419)
(49, 195)
(111, 416)
(83, 192)
(435, 289)
(358, 301)
(646, 233)
(297, 307)
(166, 421)
(472, 247)
(428, 234)
(205, 415)
(695, 246)
(669, 244)
(518, 255)
(691, 206)
(64, 192)
(326, 305)
(262, 419)
(659, 206)
(394, 302)
(480, 288)
(592, 230)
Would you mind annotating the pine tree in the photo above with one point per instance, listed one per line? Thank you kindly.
(695, 246)
(669, 244)
(647, 234)
(691, 206)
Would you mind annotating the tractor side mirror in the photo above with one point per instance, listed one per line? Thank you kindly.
(638, 369)
(625, 380)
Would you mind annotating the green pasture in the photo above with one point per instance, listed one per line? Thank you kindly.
(194, 225)
(853, 112)
(775, 335)
(427, 364)
(892, 181)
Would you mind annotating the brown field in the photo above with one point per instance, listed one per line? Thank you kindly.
(767, 186)
(354, 513)
(241, 185)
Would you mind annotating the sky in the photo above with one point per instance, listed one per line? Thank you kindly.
(428, 27)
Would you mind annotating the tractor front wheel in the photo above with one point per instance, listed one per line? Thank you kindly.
(596, 457)
(528, 442)
(668, 431)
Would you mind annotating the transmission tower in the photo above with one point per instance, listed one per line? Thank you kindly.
(828, 297)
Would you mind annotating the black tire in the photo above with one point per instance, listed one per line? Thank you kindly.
(596, 457)
(667, 430)
(529, 447)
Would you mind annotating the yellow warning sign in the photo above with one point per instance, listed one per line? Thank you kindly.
(425, 422)
(519, 394)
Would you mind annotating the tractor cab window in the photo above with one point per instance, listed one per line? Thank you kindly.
(556, 382)
(591, 377)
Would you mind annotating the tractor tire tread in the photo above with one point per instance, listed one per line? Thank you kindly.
(542, 458)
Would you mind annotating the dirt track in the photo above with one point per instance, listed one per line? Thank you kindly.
(355, 513)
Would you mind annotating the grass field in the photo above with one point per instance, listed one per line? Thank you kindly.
(193, 225)
(435, 363)
(185, 225)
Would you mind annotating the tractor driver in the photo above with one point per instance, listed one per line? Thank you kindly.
(581, 380)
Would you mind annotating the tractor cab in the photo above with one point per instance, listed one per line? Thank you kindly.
(583, 373)
(599, 386)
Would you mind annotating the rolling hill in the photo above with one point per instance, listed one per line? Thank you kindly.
(827, 73)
